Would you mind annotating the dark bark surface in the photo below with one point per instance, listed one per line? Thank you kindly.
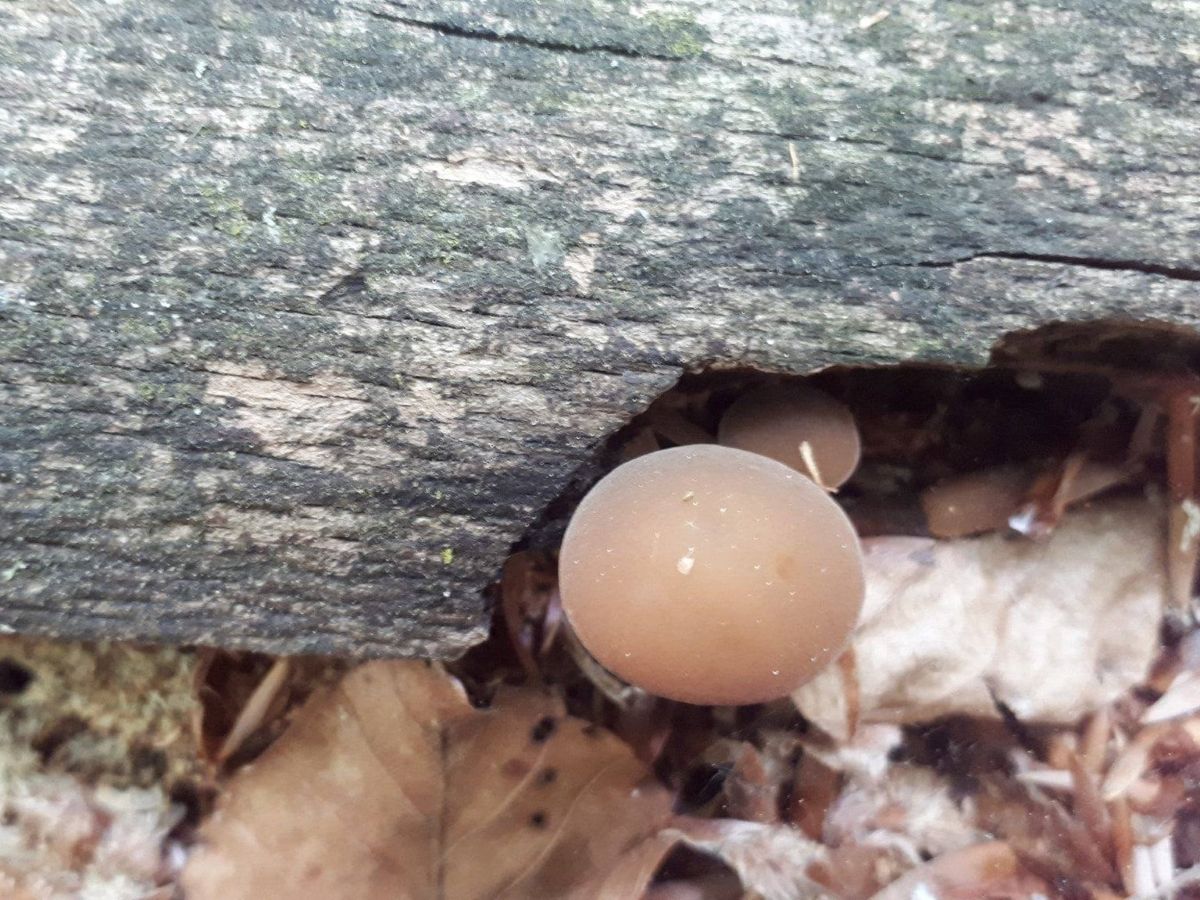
(308, 308)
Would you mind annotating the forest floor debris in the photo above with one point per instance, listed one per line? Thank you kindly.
(1017, 716)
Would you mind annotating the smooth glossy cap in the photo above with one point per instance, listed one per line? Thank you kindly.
(974, 503)
(711, 575)
(779, 420)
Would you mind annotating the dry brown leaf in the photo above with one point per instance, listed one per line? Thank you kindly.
(1053, 630)
(393, 786)
(814, 788)
(631, 874)
(1050, 842)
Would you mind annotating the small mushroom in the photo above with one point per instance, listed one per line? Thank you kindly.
(798, 426)
(975, 502)
(711, 575)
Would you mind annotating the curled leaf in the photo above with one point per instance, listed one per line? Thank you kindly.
(393, 785)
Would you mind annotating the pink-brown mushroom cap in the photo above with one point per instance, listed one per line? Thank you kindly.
(777, 420)
(711, 575)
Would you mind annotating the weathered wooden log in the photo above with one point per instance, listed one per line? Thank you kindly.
(309, 307)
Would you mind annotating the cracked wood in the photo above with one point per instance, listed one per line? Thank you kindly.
(310, 308)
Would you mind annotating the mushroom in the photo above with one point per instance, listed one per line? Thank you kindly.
(798, 426)
(975, 502)
(711, 575)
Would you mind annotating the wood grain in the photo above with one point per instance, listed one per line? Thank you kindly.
(307, 308)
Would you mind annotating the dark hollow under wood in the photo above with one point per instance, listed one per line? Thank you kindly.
(307, 308)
